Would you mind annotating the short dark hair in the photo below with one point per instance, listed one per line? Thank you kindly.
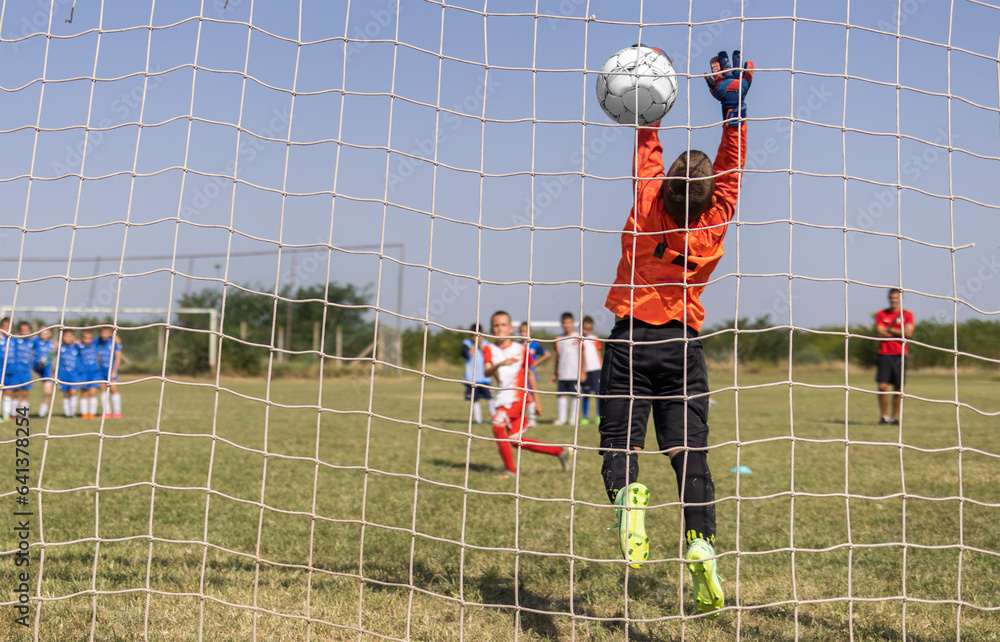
(588, 319)
(499, 313)
(895, 291)
(566, 315)
(475, 327)
(686, 190)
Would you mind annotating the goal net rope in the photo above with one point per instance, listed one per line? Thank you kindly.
(348, 188)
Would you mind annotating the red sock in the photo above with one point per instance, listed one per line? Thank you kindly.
(540, 447)
(503, 445)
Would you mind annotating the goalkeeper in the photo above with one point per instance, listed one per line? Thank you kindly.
(653, 360)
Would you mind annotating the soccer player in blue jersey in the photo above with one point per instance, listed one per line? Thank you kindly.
(5, 358)
(45, 351)
(67, 372)
(20, 356)
(108, 347)
(90, 374)
(477, 384)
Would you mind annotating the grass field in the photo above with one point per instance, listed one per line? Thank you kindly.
(173, 524)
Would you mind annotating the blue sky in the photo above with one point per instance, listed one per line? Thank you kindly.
(446, 134)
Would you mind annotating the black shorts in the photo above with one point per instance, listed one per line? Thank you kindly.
(592, 384)
(568, 387)
(890, 370)
(666, 375)
(480, 391)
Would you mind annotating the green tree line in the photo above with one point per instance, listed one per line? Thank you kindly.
(251, 317)
(934, 344)
(253, 322)
(759, 342)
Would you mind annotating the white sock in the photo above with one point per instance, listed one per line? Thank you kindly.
(531, 412)
(74, 403)
(574, 402)
(67, 407)
(477, 413)
(492, 405)
(116, 403)
(43, 409)
(562, 403)
(93, 406)
(6, 407)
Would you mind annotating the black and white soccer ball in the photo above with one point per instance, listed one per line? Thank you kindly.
(637, 86)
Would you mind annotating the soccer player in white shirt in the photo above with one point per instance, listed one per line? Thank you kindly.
(592, 363)
(568, 370)
(509, 362)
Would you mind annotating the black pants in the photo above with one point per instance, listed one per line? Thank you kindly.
(662, 370)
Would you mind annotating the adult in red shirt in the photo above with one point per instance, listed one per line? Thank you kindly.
(893, 325)
(510, 363)
(653, 360)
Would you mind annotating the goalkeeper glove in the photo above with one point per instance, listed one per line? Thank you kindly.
(730, 85)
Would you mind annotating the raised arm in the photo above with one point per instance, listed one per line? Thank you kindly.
(729, 162)
(648, 162)
(730, 85)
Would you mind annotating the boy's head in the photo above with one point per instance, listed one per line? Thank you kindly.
(69, 337)
(688, 188)
(587, 324)
(87, 336)
(567, 322)
(45, 333)
(5, 324)
(24, 328)
(105, 332)
(523, 329)
(500, 322)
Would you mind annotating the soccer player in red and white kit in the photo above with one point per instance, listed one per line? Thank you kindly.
(510, 363)
(653, 360)
(892, 324)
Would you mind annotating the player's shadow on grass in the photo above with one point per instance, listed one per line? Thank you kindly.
(827, 627)
(463, 422)
(460, 465)
(840, 422)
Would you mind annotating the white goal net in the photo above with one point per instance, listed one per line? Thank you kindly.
(289, 216)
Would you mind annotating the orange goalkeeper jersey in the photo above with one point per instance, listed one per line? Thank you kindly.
(666, 288)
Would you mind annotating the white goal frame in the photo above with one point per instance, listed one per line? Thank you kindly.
(213, 319)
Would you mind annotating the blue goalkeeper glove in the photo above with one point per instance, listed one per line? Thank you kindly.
(730, 85)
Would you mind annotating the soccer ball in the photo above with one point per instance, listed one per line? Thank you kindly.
(637, 86)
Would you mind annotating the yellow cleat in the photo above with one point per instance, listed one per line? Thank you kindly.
(632, 502)
(708, 596)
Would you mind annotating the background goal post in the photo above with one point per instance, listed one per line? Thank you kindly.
(65, 315)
